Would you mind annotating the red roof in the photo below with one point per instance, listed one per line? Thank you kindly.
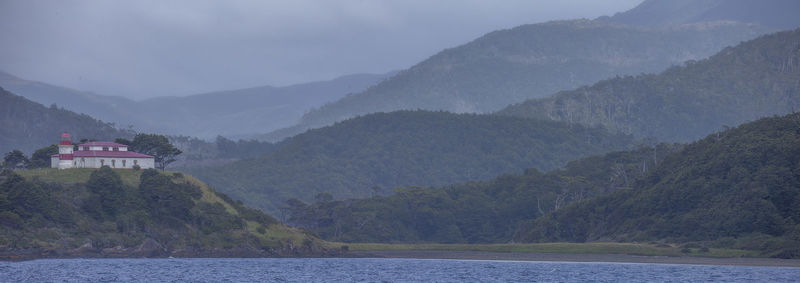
(98, 153)
(110, 144)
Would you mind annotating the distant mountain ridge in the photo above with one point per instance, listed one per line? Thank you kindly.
(529, 61)
(752, 80)
(235, 113)
(781, 14)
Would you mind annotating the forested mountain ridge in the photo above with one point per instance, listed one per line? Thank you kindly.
(529, 61)
(133, 213)
(474, 212)
(27, 125)
(234, 113)
(739, 187)
(780, 14)
(370, 154)
(754, 79)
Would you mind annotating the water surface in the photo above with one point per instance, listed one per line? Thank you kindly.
(374, 270)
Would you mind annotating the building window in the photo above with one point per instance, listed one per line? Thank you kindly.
(116, 149)
(105, 148)
(123, 163)
(113, 163)
(135, 162)
(102, 162)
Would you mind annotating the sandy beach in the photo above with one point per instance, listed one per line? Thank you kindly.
(619, 258)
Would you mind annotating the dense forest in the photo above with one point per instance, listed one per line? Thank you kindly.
(529, 61)
(755, 79)
(474, 212)
(377, 152)
(27, 126)
(737, 188)
(132, 213)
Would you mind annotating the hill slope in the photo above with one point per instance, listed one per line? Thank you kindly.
(754, 79)
(27, 126)
(741, 183)
(127, 213)
(529, 61)
(403, 148)
(474, 212)
(773, 13)
(236, 113)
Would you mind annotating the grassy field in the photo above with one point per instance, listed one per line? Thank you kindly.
(566, 248)
(77, 175)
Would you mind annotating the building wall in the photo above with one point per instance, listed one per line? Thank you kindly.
(113, 162)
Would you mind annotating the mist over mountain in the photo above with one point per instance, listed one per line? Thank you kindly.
(781, 14)
(529, 61)
(235, 113)
(27, 125)
(755, 79)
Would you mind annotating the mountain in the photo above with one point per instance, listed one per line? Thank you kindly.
(236, 113)
(779, 14)
(755, 79)
(134, 213)
(246, 112)
(529, 61)
(27, 125)
(363, 156)
(473, 212)
(739, 187)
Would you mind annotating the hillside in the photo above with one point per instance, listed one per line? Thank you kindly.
(132, 213)
(754, 79)
(779, 14)
(474, 212)
(737, 188)
(374, 153)
(27, 126)
(235, 113)
(529, 61)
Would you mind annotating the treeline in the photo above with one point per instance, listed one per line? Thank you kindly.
(404, 148)
(109, 213)
(755, 79)
(475, 212)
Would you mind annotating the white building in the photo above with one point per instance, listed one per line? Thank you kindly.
(98, 154)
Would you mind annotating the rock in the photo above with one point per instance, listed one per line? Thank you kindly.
(150, 248)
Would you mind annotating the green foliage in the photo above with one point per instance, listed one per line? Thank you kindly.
(105, 209)
(755, 79)
(41, 157)
(731, 184)
(475, 212)
(156, 145)
(400, 149)
(15, 159)
(109, 190)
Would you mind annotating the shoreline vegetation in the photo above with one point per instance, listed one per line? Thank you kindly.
(545, 252)
(570, 252)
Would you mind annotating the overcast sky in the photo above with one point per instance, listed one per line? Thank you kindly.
(152, 48)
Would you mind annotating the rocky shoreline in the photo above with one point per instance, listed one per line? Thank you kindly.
(557, 257)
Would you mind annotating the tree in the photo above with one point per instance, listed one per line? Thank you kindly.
(108, 186)
(156, 145)
(41, 157)
(15, 160)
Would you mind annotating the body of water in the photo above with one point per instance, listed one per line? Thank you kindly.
(374, 270)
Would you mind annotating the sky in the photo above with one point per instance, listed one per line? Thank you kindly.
(147, 48)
